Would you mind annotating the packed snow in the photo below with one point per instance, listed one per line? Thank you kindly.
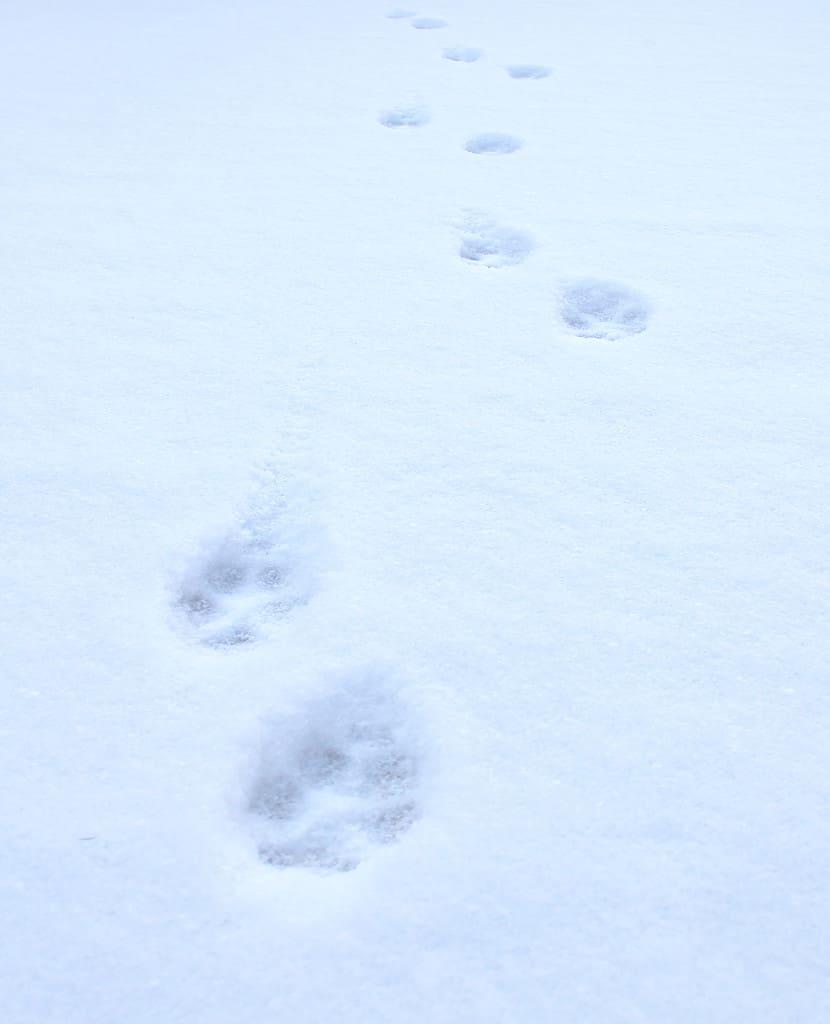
(414, 484)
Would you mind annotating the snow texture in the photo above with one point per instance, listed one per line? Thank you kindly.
(414, 564)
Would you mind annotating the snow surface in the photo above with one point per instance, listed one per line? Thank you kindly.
(415, 564)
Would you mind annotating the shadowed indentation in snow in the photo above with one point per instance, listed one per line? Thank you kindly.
(427, 23)
(494, 245)
(603, 309)
(257, 572)
(492, 143)
(463, 54)
(400, 12)
(404, 117)
(527, 71)
(336, 779)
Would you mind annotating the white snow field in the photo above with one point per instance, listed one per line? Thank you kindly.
(415, 534)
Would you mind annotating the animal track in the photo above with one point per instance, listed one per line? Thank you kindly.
(335, 780)
(603, 309)
(493, 245)
(527, 71)
(490, 143)
(400, 12)
(254, 574)
(404, 117)
(463, 54)
(426, 23)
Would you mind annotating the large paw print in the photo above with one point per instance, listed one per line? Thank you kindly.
(603, 309)
(336, 780)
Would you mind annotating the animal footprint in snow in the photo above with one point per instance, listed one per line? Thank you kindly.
(256, 573)
(404, 117)
(527, 71)
(427, 23)
(490, 143)
(336, 779)
(400, 12)
(493, 245)
(463, 54)
(603, 309)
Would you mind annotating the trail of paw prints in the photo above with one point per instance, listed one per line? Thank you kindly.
(492, 144)
(603, 309)
(486, 242)
(254, 574)
(337, 779)
(404, 117)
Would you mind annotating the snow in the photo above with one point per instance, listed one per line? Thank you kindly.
(415, 556)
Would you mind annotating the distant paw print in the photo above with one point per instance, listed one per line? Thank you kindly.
(463, 54)
(492, 143)
(404, 117)
(490, 244)
(527, 70)
(257, 573)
